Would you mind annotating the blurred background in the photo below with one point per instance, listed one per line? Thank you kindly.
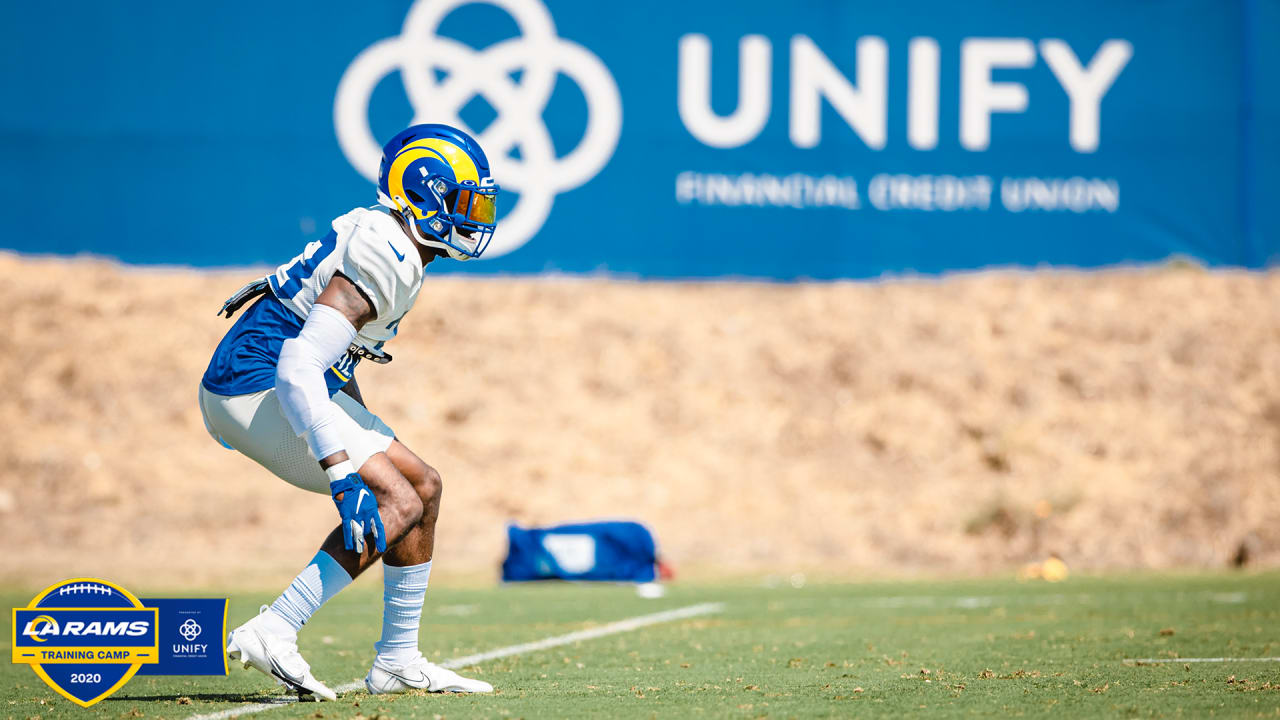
(841, 288)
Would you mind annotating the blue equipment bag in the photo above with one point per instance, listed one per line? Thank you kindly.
(617, 551)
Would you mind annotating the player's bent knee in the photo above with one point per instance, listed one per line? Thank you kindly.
(425, 479)
(431, 486)
(426, 484)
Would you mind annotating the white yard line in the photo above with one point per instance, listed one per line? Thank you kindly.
(243, 710)
(613, 628)
(1171, 661)
(974, 602)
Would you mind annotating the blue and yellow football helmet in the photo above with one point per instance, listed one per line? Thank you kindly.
(437, 178)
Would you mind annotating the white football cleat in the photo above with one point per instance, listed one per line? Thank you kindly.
(421, 675)
(276, 655)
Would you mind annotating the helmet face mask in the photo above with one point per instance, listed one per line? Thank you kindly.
(467, 210)
(437, 178)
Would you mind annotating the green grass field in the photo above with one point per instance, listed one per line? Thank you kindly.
(942, 649)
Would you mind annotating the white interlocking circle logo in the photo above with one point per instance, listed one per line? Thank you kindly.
(190, 629)
(538, 55)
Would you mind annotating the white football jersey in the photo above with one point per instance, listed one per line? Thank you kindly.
(368, 247)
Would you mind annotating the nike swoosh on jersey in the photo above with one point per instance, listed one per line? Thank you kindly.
(399, 255)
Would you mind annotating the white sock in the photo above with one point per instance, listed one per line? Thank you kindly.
(320, 580)
(403, 591)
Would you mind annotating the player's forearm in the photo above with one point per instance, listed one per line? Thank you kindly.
(300, 384)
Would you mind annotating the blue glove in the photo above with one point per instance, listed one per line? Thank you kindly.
(359, 510)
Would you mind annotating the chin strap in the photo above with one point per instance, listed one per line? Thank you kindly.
(460, 257)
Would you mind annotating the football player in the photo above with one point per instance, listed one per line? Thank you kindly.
(281, 390)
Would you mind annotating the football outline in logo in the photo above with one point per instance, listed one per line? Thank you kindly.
(138, 654)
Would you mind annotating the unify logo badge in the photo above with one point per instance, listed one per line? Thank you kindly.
(87, 637)
(516, 77)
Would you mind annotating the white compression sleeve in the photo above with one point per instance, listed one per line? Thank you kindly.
(304, 396)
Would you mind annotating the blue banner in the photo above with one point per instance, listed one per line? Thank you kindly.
(601, 551)
(815, 138)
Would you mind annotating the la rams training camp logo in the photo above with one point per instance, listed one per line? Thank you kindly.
(86, 638)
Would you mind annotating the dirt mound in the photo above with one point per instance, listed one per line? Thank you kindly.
(1121, 419)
